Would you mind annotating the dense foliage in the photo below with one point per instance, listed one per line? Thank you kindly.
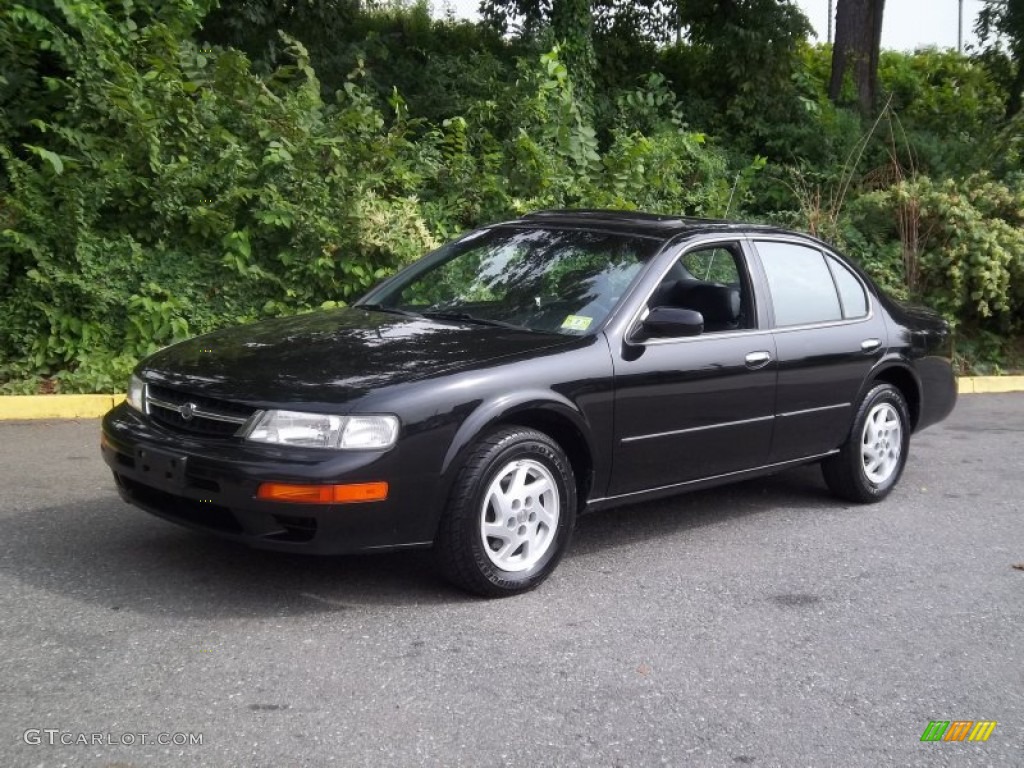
(169, 167)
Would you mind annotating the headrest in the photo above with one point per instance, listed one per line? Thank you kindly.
(718, 303)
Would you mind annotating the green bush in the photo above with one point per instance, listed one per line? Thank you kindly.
(156, 185)
(958, 245)
(176, 192)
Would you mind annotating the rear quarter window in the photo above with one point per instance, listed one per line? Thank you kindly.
(851, 292)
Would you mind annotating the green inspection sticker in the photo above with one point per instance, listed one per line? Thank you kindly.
(577, 323)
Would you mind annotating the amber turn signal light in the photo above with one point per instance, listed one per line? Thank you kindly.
(323, 494)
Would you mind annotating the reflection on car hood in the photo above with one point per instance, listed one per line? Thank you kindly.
(332, 357)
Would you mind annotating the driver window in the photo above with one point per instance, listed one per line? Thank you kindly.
(714, 265)
(711, 281)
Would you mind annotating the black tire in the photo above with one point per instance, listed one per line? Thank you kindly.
(846, 473)
(460, 544)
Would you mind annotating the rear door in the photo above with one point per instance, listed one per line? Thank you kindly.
(691, 408)
(827, 337)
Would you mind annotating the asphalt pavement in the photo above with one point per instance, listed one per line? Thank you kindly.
(764, 624)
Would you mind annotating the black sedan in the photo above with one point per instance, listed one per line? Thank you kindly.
(564, 362)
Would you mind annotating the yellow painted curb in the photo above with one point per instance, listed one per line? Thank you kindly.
(996, 384)
(16, 407)
(56, 406)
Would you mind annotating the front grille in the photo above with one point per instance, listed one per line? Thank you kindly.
(194, 414)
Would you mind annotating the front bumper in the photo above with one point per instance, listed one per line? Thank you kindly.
(211, 484)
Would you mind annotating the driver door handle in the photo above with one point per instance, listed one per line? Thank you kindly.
(756, 360)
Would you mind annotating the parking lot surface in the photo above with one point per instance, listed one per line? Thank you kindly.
(763, 624)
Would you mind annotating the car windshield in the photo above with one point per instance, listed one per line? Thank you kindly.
(553, 280)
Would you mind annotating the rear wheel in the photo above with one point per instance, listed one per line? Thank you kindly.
(510, 516)
(870, 463)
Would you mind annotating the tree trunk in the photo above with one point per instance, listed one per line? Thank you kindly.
(858, 42)
(1013, 101)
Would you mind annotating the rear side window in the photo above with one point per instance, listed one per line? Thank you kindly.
(851, 292)
(803, 291)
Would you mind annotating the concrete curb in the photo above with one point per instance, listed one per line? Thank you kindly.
(25, 407)
(56, 406)
(990, 385)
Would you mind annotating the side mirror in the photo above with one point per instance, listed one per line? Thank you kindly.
(673, 322)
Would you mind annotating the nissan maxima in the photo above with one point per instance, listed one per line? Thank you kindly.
(482, 398)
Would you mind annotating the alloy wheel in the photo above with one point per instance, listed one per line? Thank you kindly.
(881, 443)
(520, 515)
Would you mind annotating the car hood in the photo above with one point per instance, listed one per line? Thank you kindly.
(332, 357)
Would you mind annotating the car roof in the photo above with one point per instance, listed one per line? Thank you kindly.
(639, 223)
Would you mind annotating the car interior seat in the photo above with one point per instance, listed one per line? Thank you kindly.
(719, 304)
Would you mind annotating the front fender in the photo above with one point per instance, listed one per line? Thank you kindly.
(504, 410)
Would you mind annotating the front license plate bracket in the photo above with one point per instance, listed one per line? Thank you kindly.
(160, 468)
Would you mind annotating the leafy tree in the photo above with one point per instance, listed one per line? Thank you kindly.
(253, 25)
(572, 26)
(1001, 22)
(650, 19)
(741, 55)
(442, 68)
(568, 23)
(732, 60)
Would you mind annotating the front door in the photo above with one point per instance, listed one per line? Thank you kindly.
(697, 407)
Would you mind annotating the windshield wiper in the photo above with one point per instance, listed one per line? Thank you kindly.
(389, 310)
(466, 317)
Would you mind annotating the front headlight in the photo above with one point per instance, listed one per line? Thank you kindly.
(136, 393)
(318, 430)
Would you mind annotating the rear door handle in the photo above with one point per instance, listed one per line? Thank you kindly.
(870, 345)
(757, 360)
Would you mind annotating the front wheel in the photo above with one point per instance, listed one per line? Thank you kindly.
(870, 463)
(510, 516)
